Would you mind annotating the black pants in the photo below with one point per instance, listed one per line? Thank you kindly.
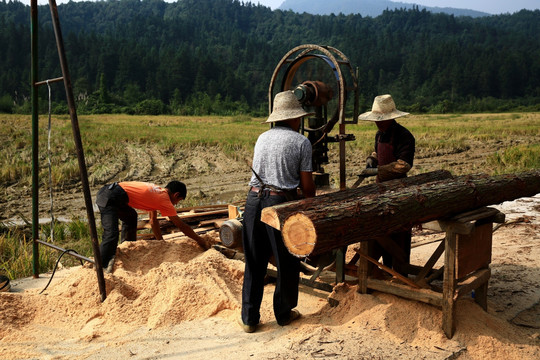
(112, 202)
(260, 242)
(402, 240)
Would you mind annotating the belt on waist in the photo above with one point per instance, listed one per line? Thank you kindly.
(257, 190)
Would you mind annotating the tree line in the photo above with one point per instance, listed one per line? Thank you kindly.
(197, 57)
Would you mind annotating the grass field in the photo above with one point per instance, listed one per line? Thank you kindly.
(211, 153)
(114, 134)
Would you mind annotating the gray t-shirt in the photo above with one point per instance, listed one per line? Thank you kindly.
(280, 155)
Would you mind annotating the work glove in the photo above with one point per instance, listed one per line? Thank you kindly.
(371, 161)
(392, 171)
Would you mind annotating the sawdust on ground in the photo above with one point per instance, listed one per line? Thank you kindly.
(170, 300)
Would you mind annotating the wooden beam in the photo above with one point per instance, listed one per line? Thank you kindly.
(388, 270)
(420, 278)
(424, 295)
(471, 282)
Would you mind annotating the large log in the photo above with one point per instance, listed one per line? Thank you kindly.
(335, 224)
(275, 215)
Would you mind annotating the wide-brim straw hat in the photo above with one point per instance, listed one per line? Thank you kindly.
(383, 109)
(286, 107)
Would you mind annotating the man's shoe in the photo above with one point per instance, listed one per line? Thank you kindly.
(110, 266)
(246, 328)
(294, 314)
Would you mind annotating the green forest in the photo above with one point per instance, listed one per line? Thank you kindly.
(203, 57)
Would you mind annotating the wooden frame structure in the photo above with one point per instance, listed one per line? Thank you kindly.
(467, 255)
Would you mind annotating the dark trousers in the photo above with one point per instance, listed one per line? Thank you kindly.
(401, 240)
(112, 202)
(260, 242)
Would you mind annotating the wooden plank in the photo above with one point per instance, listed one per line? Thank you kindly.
(473, 251)
(423, 295)
(464, 223)
(472, 282)
(388, 270)
(449, 225)
(420, 278)
(425, 242)
(477, 214)
(202, 208)
(187, 217)
(216, 223)
(201, 214)
(234, 212)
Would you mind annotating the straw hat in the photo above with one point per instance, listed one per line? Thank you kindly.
(286, 107)
(383, 109)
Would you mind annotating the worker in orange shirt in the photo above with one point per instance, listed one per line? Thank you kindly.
(118, 201)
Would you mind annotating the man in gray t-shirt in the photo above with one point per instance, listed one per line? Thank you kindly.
(280, 155)
(281, 164)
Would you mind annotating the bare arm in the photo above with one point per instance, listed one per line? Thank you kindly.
(154, 222)
(307, 184)
(186, 229)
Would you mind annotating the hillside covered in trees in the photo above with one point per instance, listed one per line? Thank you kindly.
(217, 56)
(366, 7)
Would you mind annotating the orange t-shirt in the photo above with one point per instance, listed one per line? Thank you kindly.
(149, 197)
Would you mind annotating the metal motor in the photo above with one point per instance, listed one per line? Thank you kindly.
(230, 233)
(324, 81)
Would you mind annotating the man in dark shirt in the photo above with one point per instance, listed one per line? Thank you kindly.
(393, 157)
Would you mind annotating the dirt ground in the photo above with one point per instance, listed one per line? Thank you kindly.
(170, 300)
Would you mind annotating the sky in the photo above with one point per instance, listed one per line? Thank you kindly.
(488, 6)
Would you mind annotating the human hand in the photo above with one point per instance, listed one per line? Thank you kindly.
(371, 162)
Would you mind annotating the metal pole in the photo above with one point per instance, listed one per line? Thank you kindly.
(67, 251)
(342, 164)
(79, 147)
(35, 135)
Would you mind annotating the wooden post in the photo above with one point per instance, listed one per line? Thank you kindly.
(449, 285)
(363, 268)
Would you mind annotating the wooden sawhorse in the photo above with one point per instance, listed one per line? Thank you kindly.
(467, 255)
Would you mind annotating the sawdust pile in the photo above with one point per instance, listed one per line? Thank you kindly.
(168, 295)
(154, 283)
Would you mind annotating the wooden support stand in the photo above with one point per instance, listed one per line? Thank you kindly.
(467, 255)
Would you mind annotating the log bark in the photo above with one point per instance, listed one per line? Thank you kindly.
(275, 215)
(334, 224)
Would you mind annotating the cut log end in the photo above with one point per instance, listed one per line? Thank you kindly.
(299, 235)
(270, 217)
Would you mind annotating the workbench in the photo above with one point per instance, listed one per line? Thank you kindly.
(467, 256)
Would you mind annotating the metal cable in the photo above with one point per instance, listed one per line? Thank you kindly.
(56, 265)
